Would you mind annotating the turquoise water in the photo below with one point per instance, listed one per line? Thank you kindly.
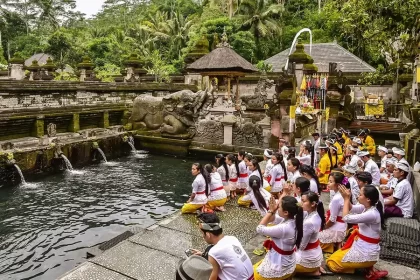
(47, 226)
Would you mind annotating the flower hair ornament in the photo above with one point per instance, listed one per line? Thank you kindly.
(345, 181)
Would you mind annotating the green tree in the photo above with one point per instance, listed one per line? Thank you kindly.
(262, 19)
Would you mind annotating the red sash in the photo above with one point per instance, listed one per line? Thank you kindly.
(268, 178)
(319, 171)
(223, 180)
(339, 218)
(279, 179)
(243, 175)
(356, 235)
(269, 244)
(311, 246)
(233, 180)
(250, 278)
(218, 189)
(203, 192)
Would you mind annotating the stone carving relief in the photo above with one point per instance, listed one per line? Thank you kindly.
(209, 131)
(173, 114)
(247, 134)
(51, 130)
(259, 99)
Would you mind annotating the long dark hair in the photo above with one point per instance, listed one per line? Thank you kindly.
(310, 148)
(330, 157)
(295, 162)
(338, 177)
(314, 197)
(292, 153)
(205, 174)
(280, 161)
(290, 204)
(222, 162)
(303, 184)
(372, 193)
(254, 163)
(242, 154)
(255, 183)
(233, 159)
(311, 172)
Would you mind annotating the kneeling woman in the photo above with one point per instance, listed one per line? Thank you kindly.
(362, 248)
(199, 193)
(335, 227)
(280, 261)
(309, 256)
(217, 197)
(257, 195)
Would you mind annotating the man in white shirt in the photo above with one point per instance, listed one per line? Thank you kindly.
(227, 256)
(399, 155)
(370, 167)
(382, 153)
(401, 203)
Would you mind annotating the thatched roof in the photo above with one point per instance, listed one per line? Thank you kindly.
(323, 54)
(223, 59)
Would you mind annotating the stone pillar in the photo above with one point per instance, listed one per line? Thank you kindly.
(38, 129)
(74, 124)
(266, 126)
(228, 121)
(17, 72)
(105, 119)
(82, 75)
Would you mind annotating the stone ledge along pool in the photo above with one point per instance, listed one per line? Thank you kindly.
(47, 226)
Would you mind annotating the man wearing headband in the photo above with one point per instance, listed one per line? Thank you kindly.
(370, 167)
(401, 203)
(388, 181)
(382, 152)
(227, 256)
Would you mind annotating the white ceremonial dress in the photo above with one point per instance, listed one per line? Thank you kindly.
(369, 222)
(355, 190)
(310, 258)
(277, 178)
(222, 172)
(313, 187)
(243, 175)
(283, 234)
(305, 159)
(217, 191)
(337, 231)
(233, 177)
(199, 188)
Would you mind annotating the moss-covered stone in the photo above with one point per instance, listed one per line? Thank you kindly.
(75, 123)
(405, 78)
(86, 63)
(105, 119)
(50, 65)
(34, 66)
(17, 60)
(300, 56)
(200, 49)
(286, 94)
(38, 129)
(310, 68)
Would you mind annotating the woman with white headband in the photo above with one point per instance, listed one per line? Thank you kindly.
(382, 153)
(267, 169)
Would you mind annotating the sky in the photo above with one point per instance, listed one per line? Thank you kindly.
(89, 7)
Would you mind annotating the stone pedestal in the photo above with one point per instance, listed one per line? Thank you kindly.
(38, 129)
(266, 127)
(105, 119)
(74, 124)
(228, 122)
(17, 72)
(82, 75)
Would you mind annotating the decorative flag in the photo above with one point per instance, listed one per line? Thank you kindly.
(303, 85)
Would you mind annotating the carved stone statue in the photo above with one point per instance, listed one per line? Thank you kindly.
(259, 98)
(51, 130)
(173, 114)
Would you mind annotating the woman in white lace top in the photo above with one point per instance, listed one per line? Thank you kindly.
(309, 256)
(280, 261)
(361, 251)
(335, 228)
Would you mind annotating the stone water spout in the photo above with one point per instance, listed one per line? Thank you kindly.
(130, 141)
(294, 44)
(95, 146)
(10, 161)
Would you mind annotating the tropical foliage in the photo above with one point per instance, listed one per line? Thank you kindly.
(163, 32)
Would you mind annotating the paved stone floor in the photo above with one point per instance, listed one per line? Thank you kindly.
(155, 253)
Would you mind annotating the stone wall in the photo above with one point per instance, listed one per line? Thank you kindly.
(27, 107)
